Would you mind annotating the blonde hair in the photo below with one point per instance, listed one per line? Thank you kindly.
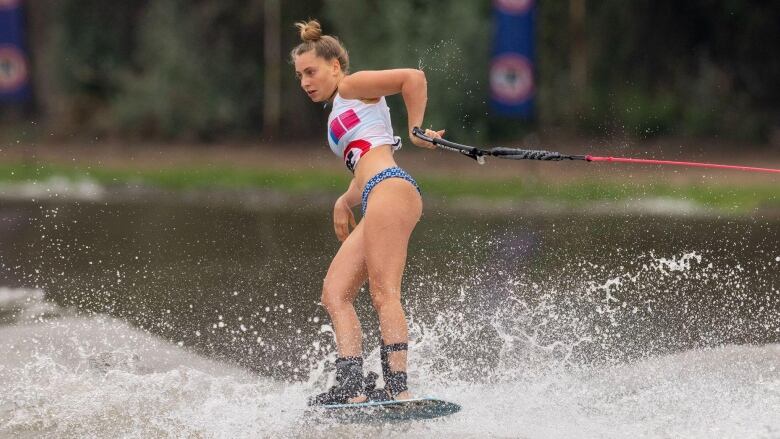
(324, 46)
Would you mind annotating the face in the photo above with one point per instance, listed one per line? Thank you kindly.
(319, 77)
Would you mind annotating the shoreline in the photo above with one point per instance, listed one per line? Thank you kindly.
(295, 175)
(602, 199)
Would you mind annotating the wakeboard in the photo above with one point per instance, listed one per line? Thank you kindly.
(384, 411)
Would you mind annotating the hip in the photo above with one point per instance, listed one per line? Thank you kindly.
(393, 172)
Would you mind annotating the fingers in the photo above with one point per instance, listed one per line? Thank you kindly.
(343, 232)
(430, 133)
(340, 232)
(434, 134)
(342, 225)
(352, 219)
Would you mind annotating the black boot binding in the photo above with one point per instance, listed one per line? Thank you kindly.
(395, 382)
(349, 383)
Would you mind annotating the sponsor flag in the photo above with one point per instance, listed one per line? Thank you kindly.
(14, 64)
(512, 66)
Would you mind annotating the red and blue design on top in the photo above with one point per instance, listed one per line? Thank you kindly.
(356, 148)
(341, 124)
(357, 125)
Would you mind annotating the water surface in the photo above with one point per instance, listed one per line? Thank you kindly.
(172, 318)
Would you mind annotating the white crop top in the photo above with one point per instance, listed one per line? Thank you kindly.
(354, 127)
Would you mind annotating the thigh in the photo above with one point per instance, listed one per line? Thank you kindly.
(347, 271)
(394, 208)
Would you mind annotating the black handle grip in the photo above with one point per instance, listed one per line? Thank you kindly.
(525, 154)
(421, 134)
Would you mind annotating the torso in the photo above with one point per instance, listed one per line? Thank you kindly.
(373, 162)
(360, 132)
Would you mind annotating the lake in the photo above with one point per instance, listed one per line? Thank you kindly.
(169, 317)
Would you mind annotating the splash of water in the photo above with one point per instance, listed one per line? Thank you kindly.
(626, 351)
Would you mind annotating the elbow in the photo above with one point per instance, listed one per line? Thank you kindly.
(414, 81)
(419, 76)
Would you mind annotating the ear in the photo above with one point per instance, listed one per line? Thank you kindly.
(335, 66)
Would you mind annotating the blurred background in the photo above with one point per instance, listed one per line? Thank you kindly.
(218, 71)
(166, 194)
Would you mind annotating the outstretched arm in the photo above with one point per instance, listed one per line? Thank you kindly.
(410, 83)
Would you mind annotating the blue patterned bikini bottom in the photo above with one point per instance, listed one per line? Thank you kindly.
(394, 172)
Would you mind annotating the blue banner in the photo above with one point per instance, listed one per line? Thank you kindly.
(14, 64)
(512, 66)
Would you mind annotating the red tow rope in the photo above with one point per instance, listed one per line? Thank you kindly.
(591, 158)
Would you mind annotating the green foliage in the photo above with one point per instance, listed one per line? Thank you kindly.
(89, 41)
(701, 67)
(183, 85)
(174, 69)
(163, 69)
(188, 80)
(449, 41)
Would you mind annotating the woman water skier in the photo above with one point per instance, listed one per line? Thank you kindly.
(360, 132)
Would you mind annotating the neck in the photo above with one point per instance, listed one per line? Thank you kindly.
(335, 90)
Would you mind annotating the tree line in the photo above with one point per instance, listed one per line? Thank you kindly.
(203, 70)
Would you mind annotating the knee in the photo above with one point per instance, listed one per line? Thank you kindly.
(332, 299)
(383, 300)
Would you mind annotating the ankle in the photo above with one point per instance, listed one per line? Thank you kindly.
(349, 359)
(349, 372)
(397, 350)
(395, 383)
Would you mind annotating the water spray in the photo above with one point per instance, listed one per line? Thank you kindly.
(479, 155)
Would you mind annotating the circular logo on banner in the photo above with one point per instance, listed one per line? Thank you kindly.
(514, 7)
(9, 4)
(13, 68)
(511, 78)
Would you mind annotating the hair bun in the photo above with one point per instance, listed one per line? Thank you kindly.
(310, 30)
